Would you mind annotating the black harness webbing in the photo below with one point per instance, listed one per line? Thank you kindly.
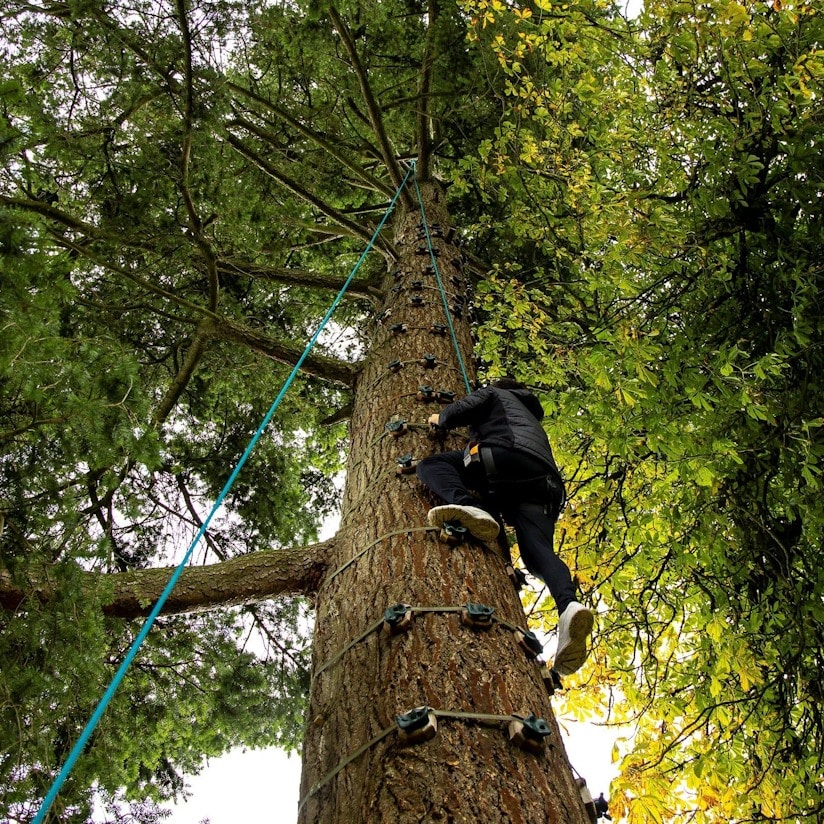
(553, 485)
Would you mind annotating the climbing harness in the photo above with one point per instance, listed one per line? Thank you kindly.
(144, 631)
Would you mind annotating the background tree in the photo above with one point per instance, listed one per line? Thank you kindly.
(685, 320)
(639, 206)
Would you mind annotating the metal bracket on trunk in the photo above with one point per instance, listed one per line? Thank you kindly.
(417, 725)
(529, 733)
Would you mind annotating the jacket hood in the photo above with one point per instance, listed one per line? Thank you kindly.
(529, 401)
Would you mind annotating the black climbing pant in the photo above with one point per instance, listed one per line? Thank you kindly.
(520, 491)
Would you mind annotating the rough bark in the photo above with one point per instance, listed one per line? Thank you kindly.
(241, 580)
(469, 771)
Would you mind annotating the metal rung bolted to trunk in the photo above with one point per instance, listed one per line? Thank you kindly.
(417, 725)
(453, 533)
(397, 427)
(529, 733)
(529, 643)
(478, 616)
(552, 679)
(397, 619)
(406, 465)
(586, 797)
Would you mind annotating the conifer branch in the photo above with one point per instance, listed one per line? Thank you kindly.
(318, 139)
(89, 230)
(233, 267)
(346, 225)
(320, 366)
(372, 108)
(187, 369)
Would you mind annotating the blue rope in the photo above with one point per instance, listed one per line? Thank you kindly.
(144, 631)
(440, 286)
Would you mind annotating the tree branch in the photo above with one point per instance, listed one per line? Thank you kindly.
(342, 414)
(193, 355)
(348, 226)
(320, 366)
(185, 158)
(242, 580)
(372, 109)
(316, 138)
(424, 89)
(294, 277)
(58, 216)
(150, 287)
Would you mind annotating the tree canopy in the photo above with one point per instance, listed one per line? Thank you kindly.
(639, 200)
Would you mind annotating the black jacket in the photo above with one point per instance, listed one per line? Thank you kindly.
(509, 418)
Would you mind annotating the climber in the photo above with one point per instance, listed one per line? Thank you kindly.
(509, 463)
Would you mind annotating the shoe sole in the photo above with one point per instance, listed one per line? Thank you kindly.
(575, 652)
(480, 528)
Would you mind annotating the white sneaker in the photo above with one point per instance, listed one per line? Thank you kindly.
(574, 627)
(479, 523)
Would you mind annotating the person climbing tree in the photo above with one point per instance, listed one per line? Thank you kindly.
(509, 463)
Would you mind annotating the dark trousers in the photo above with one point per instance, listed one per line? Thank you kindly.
(518, 492)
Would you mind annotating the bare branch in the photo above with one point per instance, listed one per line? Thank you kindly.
(242, 580)
(342, 414)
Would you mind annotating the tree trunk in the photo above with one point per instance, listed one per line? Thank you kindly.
(469, 771)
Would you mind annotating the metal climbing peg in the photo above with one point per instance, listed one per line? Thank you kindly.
(529, 643)
(478, 616)
(453, 533)
(517, 576)
(417, 725)
(397, 619)
(529, 733)
(434, 230)
(397, 427)
(586, 797)
(552, 679)
(405, 465)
